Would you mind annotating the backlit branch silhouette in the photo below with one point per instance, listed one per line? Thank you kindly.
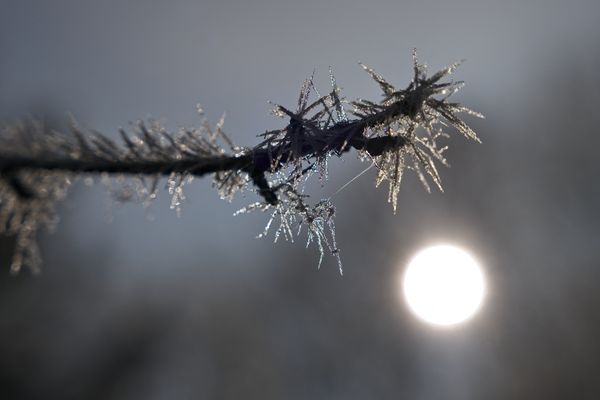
(38, 164)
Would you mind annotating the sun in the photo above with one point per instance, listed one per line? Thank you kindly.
(443, 285)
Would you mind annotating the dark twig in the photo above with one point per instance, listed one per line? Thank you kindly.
(37, 165)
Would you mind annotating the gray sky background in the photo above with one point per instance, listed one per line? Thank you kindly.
(138, 303)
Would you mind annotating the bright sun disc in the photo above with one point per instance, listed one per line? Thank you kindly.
(444, 285)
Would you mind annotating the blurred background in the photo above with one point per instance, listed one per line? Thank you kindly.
(137, 303)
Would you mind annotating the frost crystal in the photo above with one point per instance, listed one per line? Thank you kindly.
(292, 213)
(420, 127)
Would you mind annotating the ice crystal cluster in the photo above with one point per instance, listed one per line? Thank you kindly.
(401, 131)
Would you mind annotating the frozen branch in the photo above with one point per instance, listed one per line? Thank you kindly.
(401, 131)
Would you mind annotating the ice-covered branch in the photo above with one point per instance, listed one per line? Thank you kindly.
(38, 164)
(105, 156)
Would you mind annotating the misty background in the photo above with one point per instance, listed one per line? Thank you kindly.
(137, 303)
